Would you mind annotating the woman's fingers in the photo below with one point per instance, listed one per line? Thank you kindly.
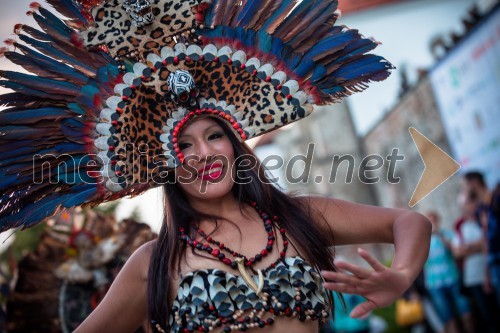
(341, 287)
(342, 278)
(376, 265)
(363, 309)
(360, 272)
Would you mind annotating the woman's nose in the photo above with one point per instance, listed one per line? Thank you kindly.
(202, 150)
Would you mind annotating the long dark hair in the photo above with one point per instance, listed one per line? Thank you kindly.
(293, 212)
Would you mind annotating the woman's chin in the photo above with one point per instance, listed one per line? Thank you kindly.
(209, 190)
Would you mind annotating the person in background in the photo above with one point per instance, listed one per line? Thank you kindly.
(493, 241)
(442, 280)
(469, 245)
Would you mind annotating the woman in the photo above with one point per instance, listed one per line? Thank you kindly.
(312, 225)
(121, 94)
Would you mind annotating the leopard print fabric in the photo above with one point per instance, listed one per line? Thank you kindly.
(138, 152)
(263, 105)
(114, 29)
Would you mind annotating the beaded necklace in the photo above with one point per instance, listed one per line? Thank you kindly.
(240, 258)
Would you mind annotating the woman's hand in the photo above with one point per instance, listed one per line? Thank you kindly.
(380, 286)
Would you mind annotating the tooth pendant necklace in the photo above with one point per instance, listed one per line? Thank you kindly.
(248, 278)
(241, 262)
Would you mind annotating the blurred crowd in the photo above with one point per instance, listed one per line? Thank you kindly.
(459, 288)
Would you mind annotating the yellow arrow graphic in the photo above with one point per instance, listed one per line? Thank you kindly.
(439, 166)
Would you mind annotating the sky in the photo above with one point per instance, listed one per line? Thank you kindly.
(404, 29)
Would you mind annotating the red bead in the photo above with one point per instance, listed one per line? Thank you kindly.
(215, 253)
(230, 61)
(114, 123)
(202, 57)
(221, 245)
(282, 230)
(188, 59)
(176, 60)
(270, 242)
(209, 239)
(242, 66)
(243, 136)
(289, 96)
(216, 59)
(282, 254)
(211, 308)
(279, 86)
(285, 243)
(181, 229)
(268, 79)
(227, 261)
(254, 73)
(195, 242)
(263, 253)
(111, 148)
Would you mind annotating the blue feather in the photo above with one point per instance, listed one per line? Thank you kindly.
(55, 21)
(331, 44)
(319, 73)
(34, 62)
(304, 68)
(284, 6)
(76, 108)
(49, 50)
(81, 195)
(52, 30)
(32, 116)
(27, 91)
(40, 83)
(248, 11)
(361, 68)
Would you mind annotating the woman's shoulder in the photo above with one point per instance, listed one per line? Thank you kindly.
(141, 257)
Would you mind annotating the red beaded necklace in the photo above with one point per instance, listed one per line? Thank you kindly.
(216, 252)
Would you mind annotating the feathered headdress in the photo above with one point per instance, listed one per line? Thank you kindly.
(113, 83)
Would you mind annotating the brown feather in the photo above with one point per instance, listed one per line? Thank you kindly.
(277, 22)
(219, 12)
(307, 23)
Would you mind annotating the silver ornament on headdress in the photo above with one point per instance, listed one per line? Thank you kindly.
(182, 88)
(140, 11)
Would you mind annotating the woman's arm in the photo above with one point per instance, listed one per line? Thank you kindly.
(124, 308)
(351, 223)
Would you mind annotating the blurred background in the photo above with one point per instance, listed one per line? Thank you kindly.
(446, 85)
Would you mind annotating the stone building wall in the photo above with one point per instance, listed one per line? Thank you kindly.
(418, 109)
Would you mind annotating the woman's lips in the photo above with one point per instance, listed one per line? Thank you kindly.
(211, 172)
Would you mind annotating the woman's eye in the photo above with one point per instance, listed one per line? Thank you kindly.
(184, 145)
(215, 136)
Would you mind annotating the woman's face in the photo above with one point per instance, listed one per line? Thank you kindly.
(208, 169)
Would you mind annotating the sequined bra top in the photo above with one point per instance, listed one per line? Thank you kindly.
(213, 298)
